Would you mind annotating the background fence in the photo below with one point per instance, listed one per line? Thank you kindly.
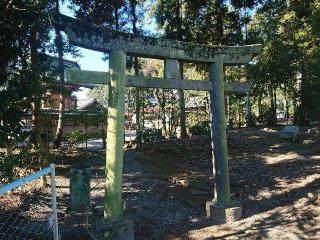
(28, 208)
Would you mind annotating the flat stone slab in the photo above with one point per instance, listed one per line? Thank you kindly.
(221, 213)
(289, 132)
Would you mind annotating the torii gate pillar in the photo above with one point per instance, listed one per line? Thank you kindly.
(115, 135)
(221, 209)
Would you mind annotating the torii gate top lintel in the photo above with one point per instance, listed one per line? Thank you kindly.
(104, 39)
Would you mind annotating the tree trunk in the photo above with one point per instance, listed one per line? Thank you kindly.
(182, 116)
(227, 110)
(44, 149)
(239, 113)
(259, 108)
(8, 146)
(182, 112)
(143, 106)
(116, 17)
(272, 106)
(103, 133)
(138, 108)
(59, 44)
(34, 136)
(248, 110)
(163, 110)
(171, 119)
(161, 102)
(275, 105)
(286, 106)
(219, 19)
(133, 4)
(86, 136)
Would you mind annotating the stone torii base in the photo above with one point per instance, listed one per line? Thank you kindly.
(223, 213)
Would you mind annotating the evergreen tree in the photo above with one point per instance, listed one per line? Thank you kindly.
(59, 45)
(25, 73)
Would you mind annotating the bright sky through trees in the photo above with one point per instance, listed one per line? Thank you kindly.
(90, 60)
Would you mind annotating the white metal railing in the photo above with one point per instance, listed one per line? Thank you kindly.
(23, 181)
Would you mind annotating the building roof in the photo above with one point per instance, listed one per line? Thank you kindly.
(89, 104)
(195, 102)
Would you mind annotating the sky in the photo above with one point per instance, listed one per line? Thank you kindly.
(90, 60)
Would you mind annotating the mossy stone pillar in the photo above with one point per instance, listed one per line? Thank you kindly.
(115, 135)
(221, 209)
(219, 135)
(80, 189)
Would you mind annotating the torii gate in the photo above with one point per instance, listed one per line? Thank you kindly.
(120, 44)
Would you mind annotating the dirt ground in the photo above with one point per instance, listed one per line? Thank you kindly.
(167, 184)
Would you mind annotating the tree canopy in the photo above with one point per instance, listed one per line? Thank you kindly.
(285, 77)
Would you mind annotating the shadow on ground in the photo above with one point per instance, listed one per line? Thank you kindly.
(167, 184)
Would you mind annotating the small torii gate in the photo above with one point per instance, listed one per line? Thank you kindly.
(119, 44)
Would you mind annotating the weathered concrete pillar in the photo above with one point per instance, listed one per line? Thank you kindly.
(221, 209)
(115, 136)
(171, 68)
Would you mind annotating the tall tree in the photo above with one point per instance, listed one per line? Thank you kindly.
(35, 81)
(173, 25)
(276, 65)
(25, 72)
(59, 44)
(304, 17)
(134, 20)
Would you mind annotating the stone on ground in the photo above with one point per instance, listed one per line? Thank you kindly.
(289, 132)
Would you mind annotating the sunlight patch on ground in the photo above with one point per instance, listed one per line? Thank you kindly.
(279, 223)
(278, 145)
(283, 158)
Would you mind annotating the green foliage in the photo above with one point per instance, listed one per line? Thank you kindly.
(200, 129)
(289, 34)
(287, 68)
(151, 135)
(266, 116)
(19, 165)
(100, 12)
(25, 71)
(74, 137)
(100, 93)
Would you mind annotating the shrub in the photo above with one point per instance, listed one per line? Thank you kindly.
(74, 137)
(267, 116)
(150, 135)
(201, 129)
(18, 165)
